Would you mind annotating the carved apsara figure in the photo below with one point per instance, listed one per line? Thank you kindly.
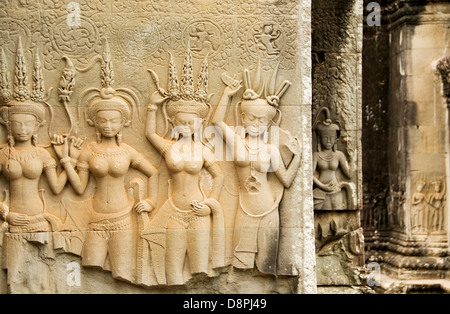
(110, 241)
(256, 159)
(22, 163)
(436, 201)
(187, 232)
(327, 161)
(418, 207)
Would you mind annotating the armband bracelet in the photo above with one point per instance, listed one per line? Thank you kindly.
(152, 107)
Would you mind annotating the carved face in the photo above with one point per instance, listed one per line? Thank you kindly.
(328, 139)
(256, 116)
(186, 123)
(23, 126)
(109, 122)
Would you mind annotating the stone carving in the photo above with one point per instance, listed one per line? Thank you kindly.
(138, 40)
(205, 37)
(266, 37)
(427, 205)
(107, 208)
(267, 40)
(182, 230)
(338, 253)
(256, 234)
(74, 41)
(443, 67)
(330, 192)
(110, 235)
(23, 162)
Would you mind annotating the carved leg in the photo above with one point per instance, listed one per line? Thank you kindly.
(95, 249)
(123, 255)
(176, 239)
(198, 239)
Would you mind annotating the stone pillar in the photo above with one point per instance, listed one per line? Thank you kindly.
(337, 78)
(409, 235)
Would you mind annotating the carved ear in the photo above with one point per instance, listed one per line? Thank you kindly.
(127, 123)
(90, 122)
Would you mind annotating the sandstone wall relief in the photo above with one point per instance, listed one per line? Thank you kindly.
(428, 201)
(158, 141)
(114, 215)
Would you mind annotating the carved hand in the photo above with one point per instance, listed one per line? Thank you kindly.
(233, 85)
(294, 146)
(17, 219)
(200, 209)
(60, 145)
(157, 98)
(76, 144)
(144, 206)
(331, 187)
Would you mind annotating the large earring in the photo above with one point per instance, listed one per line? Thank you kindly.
(34, 139)
(175, 134)
(266, 137)
(119, 139)
(99, 136)
(11, 142)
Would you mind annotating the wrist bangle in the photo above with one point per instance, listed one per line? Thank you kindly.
(152, 107)
(65, 160)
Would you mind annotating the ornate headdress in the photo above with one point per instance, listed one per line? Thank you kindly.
(326, 125)
(258, 89)
(183, 96)
(260, 92)
(123, 100)
(20, 99)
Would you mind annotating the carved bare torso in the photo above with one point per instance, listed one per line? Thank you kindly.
(109, 167)
(23, 169)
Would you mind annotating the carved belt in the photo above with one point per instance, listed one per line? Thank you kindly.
(120, 221)
(37, 223)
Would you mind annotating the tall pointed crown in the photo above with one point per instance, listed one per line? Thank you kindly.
(184, 88)
(20, 99)
(121, 99)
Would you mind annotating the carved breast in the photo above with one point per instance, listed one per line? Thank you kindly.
(114, 166)
(31, 169)
(114, 163)
(190, 163)
(26, 164)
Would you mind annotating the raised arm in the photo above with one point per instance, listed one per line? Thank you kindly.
(157, 141)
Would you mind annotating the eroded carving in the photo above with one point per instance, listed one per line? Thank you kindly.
(330, 192)
(23, 162)
(427, 205)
